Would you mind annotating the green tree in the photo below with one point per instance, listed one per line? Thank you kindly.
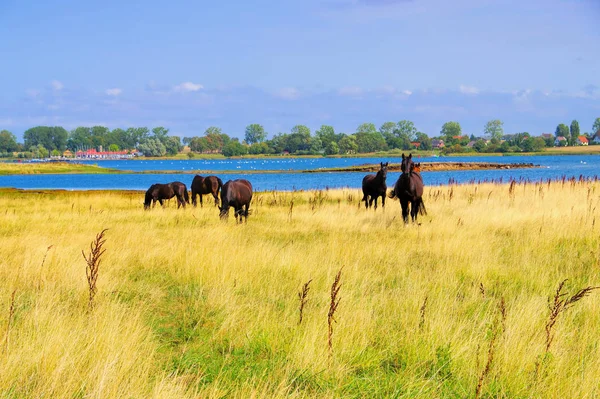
(99, 136)
(332, 148)
(80, 139)
(8, 142)
(161, 134)
(366, 128)
(113, 148)
(424, 140)
(449, 130)
(234, 148)
(368, 139)
(49, 137)
(574, 131)
(348, 145)
(562, 130)
(407, 130)
(326, 134)
(152, 147)
(173, 145)
(255, 133)
(494, 129)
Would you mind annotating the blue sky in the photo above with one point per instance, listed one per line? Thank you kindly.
(188, 65)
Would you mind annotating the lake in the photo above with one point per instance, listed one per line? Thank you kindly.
(551, 167)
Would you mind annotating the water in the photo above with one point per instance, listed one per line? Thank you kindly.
(552, 167)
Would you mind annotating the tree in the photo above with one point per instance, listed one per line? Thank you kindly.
(8, 142)
(326, 134)
(366, 128)
(348, 145)
(596, 126)
(424, 140)
(49, 137)
(173, 145)
(494, 129)
(368, 139)
(562, 130)
(113, 148)
(255, 133)
(406, 129)
(575, 132)
(450, 129)
(332, 148)
(533, 144)
(234, 148)
(161, 133)
(152, 148)
(79, 139)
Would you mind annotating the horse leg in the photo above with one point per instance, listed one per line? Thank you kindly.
(160, 201)
(194, 198)
(201, 204)
(404, 205)
(414, 209)
(216, 196)
(383, 200)
(246, 212)
(376, 203)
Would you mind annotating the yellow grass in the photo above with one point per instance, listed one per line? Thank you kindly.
(189, 306)
(13, 168)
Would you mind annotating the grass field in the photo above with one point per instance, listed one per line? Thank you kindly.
(13, 168)
(190, 306)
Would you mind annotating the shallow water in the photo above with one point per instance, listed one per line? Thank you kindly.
(551, 167)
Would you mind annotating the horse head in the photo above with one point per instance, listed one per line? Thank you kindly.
(383, 170)
(407, 165)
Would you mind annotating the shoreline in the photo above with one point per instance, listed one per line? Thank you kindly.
(66, 168)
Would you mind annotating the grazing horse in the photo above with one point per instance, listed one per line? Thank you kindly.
(206, 185)
(238, 194)
(160, 192)
(374, 186)
(409, 189)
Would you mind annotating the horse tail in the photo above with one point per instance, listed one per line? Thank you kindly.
(392, 194)
(421, 207)
(185, 195)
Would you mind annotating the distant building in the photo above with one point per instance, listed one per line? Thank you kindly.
(67, 154)
(560, 141)
(582, 140)
(93, 154)
(415, 145)
(435, 143)
(596, 138)
(547, 136)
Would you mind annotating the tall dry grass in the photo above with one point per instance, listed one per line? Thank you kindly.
(189, 306)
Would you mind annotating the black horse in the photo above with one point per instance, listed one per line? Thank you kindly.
(160, 192)
(206, 185)
(238, 194)
(374, 186)
(409, 189)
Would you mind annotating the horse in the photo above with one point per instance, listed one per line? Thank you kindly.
(159, 192)
(206, 185)
(374, 186)
(409, 189)
(238, 194)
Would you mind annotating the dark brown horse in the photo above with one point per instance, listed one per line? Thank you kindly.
(160, 192)
(374, 186)
(206, 185)
(409, 189)
(238, 194)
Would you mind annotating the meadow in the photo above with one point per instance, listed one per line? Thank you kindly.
(464, 305)
(13, 168)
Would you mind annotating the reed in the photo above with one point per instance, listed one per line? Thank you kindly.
(93, 261)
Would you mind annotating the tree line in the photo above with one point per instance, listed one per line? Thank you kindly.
(42, 141)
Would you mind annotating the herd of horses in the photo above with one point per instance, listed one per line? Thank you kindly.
(238, 193)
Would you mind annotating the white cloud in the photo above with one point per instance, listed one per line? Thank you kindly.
(350, 91)
(188, 86)
(468, 89)
(113, 92)
(287, 93)
(407, 92)
(57, 85)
